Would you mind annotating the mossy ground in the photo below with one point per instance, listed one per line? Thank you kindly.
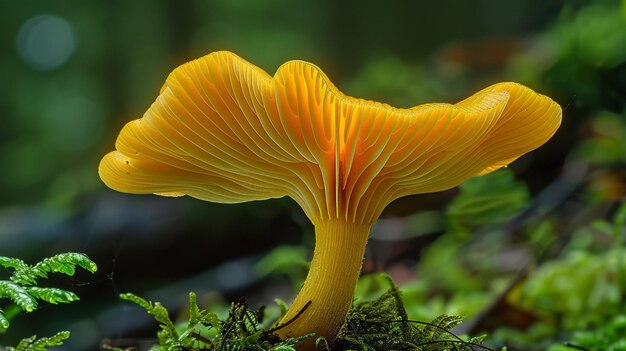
(377, 325)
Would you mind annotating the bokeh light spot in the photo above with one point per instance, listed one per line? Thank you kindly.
(45, 42)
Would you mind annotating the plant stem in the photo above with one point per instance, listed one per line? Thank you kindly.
(329, 286)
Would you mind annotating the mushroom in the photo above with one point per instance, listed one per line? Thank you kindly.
(225, 131)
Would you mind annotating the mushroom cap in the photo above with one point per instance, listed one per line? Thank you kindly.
(225, 131)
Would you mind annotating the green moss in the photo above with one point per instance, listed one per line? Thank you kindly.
(380, 324)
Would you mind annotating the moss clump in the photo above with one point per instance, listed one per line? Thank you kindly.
(383, 325)
(377, 325)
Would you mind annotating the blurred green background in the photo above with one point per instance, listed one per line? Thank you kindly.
(74, 72)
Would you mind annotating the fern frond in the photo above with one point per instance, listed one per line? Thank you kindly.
(439, 328)
(21, 289)
(4, 321)
(65, 263)
(41, 344)
(447, 322)
(477, 339)
(44, 343)
(14, 263)
(52, 295)
(18, 295)
(23, 344)
(22, 272)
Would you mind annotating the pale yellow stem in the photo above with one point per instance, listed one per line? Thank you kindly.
(329, 286)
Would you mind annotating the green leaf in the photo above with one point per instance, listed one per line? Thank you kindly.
(18, 295)
(160, 315)
(44, 343)
(41, 344)
(21, 290)
(52, 295)
(282, 305)
(136, 300)
(194, 310)
(489, 199)
(620, 217)
(4, 321)
(477, 339)
(8, 262)
(446, 322)
(22, 272)
(24, 343)
(202, 317)
(65, 263)
(285, 260)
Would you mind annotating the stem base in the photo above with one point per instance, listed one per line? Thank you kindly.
(330, 283)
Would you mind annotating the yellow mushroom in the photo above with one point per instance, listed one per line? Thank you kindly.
(223, 130)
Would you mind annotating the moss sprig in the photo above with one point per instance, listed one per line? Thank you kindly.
(204, 330)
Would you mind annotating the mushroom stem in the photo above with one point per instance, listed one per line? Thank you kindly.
(329, 286)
